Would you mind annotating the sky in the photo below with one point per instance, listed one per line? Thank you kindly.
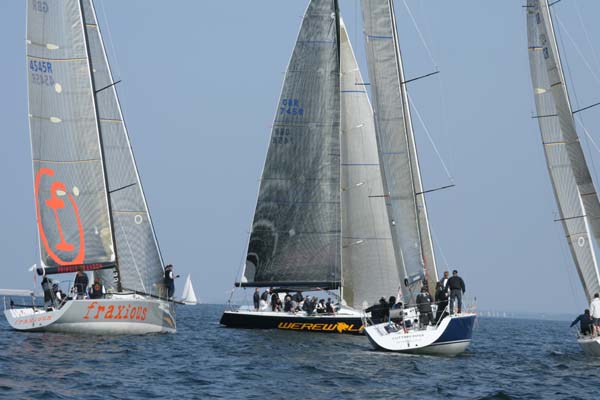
(200, 85)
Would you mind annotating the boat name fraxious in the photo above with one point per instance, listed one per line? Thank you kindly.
(111, 311)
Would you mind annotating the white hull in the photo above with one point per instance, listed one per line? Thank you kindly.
(118, 315)
(450, 338)
(589, 345)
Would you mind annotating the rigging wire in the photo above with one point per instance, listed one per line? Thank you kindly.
(414, 21)
(596, 60)
(437, 152)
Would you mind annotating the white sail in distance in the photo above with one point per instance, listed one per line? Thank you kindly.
(189, 296)
(571, 179)
(369, 267)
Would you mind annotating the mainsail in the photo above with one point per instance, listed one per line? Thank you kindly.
(139, 259)
(402, 182)
(369, 264)
(89, 200)
(69, 179)
(571, 180)
(296, 233)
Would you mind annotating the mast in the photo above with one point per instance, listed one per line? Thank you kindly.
(571, 180)
(426, 243)
(117, 275)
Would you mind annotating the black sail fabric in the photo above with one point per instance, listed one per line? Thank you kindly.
(571, 180)
(70, 192)
(138, 256)
(295, 238)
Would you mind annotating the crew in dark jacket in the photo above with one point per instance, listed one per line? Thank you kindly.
(424, 302)
(256, 299)
(81, 284)
(329, 307)
(97, 291)
(441, 297)
(275, 302)
(379, 312)
(456, 285)
(170, 281)
(585, 323)
(48, 298)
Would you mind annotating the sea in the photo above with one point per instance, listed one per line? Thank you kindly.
(508, 359)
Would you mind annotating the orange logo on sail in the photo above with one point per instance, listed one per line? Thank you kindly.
(55, 203)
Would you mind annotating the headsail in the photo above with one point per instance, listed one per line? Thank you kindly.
(69, 177)
(295, 239)
(369, 264)
(189, 296)
(571, 180)
(407, 213)
(138, 255)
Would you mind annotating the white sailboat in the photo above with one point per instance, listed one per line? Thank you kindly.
(188, 295)
(90, 208)
(574, 190)
(407, 211)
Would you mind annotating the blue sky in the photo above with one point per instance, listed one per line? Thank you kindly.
(200, 83)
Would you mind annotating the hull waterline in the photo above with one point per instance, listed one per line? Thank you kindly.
(589, 345)
(113, 316)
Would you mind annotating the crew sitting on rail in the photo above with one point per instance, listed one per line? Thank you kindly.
(97, 291)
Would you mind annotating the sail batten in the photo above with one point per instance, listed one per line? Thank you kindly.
(296, 229)
(570, 176)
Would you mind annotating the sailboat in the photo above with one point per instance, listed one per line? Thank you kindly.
(90, 207)
(577, 200)
(189, 296)
(340, 204)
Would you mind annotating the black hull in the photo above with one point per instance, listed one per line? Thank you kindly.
(321, 324)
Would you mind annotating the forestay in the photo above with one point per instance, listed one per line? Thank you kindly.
(70, 193)
(139, 258)
(295, 238)
(369, 264)
(571, 180)
(396, 144)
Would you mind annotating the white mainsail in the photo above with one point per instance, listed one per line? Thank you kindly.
(402, 181)
(189, 296)
(369, 267)
(571, 179)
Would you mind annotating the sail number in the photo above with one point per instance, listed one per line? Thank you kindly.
(291, 107)
(39, 6)
(41, 72)
(282, 136)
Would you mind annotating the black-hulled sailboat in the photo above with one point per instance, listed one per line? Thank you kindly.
(577, 200)
(90, 208)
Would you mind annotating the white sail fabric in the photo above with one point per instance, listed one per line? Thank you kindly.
(70, 188)
(189, 296)
(296, 237)
(369, 267)
(138, 256)
(571, 180)
(392, 122)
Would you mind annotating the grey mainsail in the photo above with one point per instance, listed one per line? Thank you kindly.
(369, 264)
(70, 185)
(571, 180)
(138, 255)
(295, 238)
(406, 209)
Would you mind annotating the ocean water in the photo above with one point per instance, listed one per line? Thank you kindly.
(508, 359)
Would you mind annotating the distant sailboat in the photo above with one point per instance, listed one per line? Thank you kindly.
(574, 190)
(188, 296)
(90, 207)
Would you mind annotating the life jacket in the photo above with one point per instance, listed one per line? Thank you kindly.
(168, 280)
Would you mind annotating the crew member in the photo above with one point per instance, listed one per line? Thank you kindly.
(595, 313)
(424, 302)
(329, 309)
(48, 298)
(170, 281)
(256, 299)
(81, 284)
(456, 285)
(441, 297)
(97, 291)
(585, 323)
